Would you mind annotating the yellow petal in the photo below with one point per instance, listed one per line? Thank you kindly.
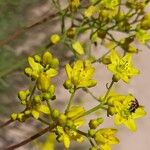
(78, 48)
(35, 114)
(114, 57)
(51, 72)
(44, 109)
(68, 70)
(66, 141)
(139, 112)
(118, 119)
(130, 124)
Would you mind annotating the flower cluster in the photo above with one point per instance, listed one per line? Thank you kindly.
(41, 70)
(105, 137)
(99, 20)
(68, 124)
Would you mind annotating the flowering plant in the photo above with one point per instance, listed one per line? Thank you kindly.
(97, 19)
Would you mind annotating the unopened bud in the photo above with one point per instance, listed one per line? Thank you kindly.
(55, 114)
(68, 84)
(37, 58)
(55, 38)
(22, 95)
(62, 119)
(91, 132)
(115, 78)
(14, 116)
(94, 123)
(46, 58)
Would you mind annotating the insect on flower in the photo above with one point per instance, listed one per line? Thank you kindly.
(134, 105)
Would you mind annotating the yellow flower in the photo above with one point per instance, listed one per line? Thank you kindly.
(128, 119)
(90, 11)
(80, 75)
(67, 132)
(74, 4)
(143, 36)
(34, 69)
(125, 110)
(145, 23)
(39, 108)
(46, 65)
(122, 67)
(74, 113)
(105, 137)
(110, 4)
(43, 81)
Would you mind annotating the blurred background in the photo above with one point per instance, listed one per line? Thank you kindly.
(17, 14)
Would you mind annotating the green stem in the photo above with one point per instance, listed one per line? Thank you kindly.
(49, 106)
(92, 110)
(89, 92)
(87, 136)
(29, 104)
(109, 88)
(100, 106)
(70, 101)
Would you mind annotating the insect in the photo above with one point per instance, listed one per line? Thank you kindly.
(134, 105)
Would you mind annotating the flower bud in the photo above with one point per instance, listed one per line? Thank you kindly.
(46, 96)
(106, 60)
(22, 95)
(145, 23)
(90, 11)
(132, 49)
(37, 99)
(37, 58)
(93, 148)
(94, 123)
(62, 119)
(59, 138)
(27, 112)
(46, 58)
(21, 117)
(55, 114)
(23, 102)
(55, 38)
(101, 34)
(14, 116)
(111, 111)
(68, 84)
(115, 78)
(43, 82)
(28, 71)
(51, 89)
(54, 63)
(70, 124)
(34, 75)
(71, 32)
(91, 132)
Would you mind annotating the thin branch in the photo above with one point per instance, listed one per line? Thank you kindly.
(6, 123)
(88, 91)
(30, 138)
(17, 33)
